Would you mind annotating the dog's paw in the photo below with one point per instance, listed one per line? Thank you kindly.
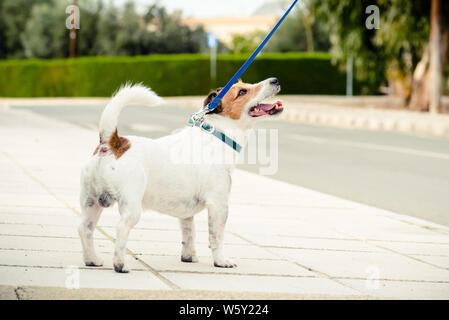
(96, 262)
(225, 263)
(121, 268)
(189, 259)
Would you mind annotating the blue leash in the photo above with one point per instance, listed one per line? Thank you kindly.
(197, 118)
(214, 103)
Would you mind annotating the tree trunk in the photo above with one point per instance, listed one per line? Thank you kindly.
(435, 68)
(419, 100)
(307, 19)
(428, 74)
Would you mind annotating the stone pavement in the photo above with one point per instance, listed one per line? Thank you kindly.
(289, 242)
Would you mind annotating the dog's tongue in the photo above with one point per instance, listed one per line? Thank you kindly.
(264, 108)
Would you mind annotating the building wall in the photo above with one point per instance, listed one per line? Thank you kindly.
(225, 27)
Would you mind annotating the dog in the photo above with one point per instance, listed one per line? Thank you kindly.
(139, 173)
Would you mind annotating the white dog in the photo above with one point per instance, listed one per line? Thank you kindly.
(140, 173)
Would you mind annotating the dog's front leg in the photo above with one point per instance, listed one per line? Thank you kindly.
(218, 215)
(130, 215)
(188, 253)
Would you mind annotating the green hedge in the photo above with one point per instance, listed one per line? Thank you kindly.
(168, 75)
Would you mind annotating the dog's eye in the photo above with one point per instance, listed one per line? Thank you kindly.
(242, 92)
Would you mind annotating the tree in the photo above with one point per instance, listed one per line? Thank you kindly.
(303, 30)
(108, 26)
(36, 28)
(14, 15)
(164, 33)
(87, 35)
(399, 52)
(246, 42)
(41, 39)
(129, 32)
(345, 23)
(428, 75)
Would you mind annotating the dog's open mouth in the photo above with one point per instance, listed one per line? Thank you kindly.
(266, 108)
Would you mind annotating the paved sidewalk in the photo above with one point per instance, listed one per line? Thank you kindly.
(289, 242)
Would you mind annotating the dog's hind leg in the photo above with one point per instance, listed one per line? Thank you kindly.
(217, 216)
(90, 214)
(188, 253)
(130, 214)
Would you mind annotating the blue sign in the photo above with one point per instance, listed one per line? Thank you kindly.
(211, 40)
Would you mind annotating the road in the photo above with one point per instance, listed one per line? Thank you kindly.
(402, 173)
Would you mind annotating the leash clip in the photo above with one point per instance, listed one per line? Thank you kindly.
(198, 117)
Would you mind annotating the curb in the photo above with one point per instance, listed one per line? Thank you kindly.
(399, 121)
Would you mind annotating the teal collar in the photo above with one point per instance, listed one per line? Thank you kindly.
(220, 135)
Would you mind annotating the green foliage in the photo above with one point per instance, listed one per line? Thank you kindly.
(246, 42)
(168, 75)
(108, 26)
(349, 35)
(36, 29)
(298, 72)
(292, 35)
(13, 17)
(41, 38)
(166, 33)
(393, 49)
(301, 26)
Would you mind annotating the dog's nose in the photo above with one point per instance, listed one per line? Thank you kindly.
(274, 81)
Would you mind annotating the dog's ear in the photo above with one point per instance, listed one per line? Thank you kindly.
(211, 97)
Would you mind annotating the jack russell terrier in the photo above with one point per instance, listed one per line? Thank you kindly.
(140, 173)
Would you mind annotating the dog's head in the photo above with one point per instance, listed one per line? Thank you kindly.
(245, 101)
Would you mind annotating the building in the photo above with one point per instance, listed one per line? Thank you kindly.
(263, 18)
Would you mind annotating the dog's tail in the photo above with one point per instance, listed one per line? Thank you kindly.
(127, 95)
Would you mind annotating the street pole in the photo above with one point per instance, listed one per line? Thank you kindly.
(349, 75)
(212, 43)
(213, 66)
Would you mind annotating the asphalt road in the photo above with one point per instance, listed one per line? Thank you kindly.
(402, 173)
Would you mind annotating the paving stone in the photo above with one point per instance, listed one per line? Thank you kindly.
(54, 220)
(243, 251)
(51, 244)
(414, 248)
(244, 266)
(340, 264)
(38, 210)
(43, 230)
(401, 289)
(88, 278)
(441, 261)
(259, 284)
(57, 260)
(171, 236)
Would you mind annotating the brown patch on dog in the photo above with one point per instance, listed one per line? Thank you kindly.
(119, 145)
(233, 103)
(211, 97)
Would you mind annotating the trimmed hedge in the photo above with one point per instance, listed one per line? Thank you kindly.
(168, 75)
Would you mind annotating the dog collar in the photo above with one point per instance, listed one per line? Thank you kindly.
(220, 135)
